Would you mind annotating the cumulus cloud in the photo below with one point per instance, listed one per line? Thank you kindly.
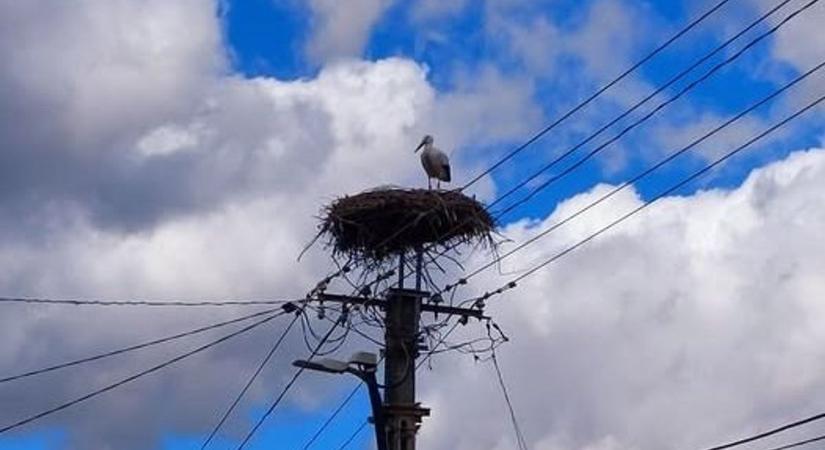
(135, 165)
(693, 323)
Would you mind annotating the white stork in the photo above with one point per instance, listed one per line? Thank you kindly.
(435, 162)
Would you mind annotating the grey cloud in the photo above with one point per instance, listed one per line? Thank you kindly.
(150, 173)
(217, 178)
(341, 29)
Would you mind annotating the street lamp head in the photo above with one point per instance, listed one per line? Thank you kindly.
(365, 359)
(359, 363)
(324, 365)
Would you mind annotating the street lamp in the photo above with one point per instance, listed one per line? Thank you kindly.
(363, 365)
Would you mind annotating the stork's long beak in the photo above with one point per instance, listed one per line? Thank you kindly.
(419, 146)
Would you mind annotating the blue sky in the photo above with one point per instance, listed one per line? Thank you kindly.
(560, 51)
(268, 38)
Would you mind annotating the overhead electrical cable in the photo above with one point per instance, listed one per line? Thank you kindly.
(142, 302)
(772, 432)
(332, 417)
(799, 443)
(575, 109)
(652, 112)
(134, 377)
(651, 170)
(583, 103)
(599, 92)
(648, 115)
(135, 347)
(251, 380)
(287, 387)
(429, 354)
(673, 188)
(354, 435)
(522, 443)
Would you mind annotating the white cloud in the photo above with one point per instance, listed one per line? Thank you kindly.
(800, 43)
(693, 323)
(103, 66)
(341, 29)
(136, 167)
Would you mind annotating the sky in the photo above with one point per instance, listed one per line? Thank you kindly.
(155, 149)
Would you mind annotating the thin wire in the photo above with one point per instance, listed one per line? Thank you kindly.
(654, 111)
(134, 347)
(522, 444)
(581, 105)
(141, 302)
(420, 363)
(799, 443)
(647, 116)
(135, 376)
(441, 340)
(251, 380)
(332, 417)
(643, 174)
(671, 189)
(354, 435)
(287, 387)
(770, 432)
(644, 118)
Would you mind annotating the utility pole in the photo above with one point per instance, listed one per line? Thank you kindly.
(403, 414)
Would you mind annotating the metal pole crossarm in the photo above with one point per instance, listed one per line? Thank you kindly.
(425, 307)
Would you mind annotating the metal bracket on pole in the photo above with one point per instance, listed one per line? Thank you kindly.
(425, 307)
(401, 414)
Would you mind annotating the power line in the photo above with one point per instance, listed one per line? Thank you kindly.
(644, 174)
(251, 380)
(582, 104)
(654, 111)
(570, 113)
(134, 347)
(771, 433)
(557, 256)
(648, 115)
(429, 354)
(287, 387)
(799, 443)
(644, 118)
(332, 417)
(354, 435)
(522, 444)
(638, 104)
(593, 96)
(75, 302)
(671, 189)
(596, 94)
(135, 376)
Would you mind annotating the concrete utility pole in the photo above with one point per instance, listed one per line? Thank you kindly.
(403, 414)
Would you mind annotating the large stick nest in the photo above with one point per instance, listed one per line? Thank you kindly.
(374, 225)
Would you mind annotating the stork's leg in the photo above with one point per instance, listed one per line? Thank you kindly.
(429, 184)
(438, 185)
